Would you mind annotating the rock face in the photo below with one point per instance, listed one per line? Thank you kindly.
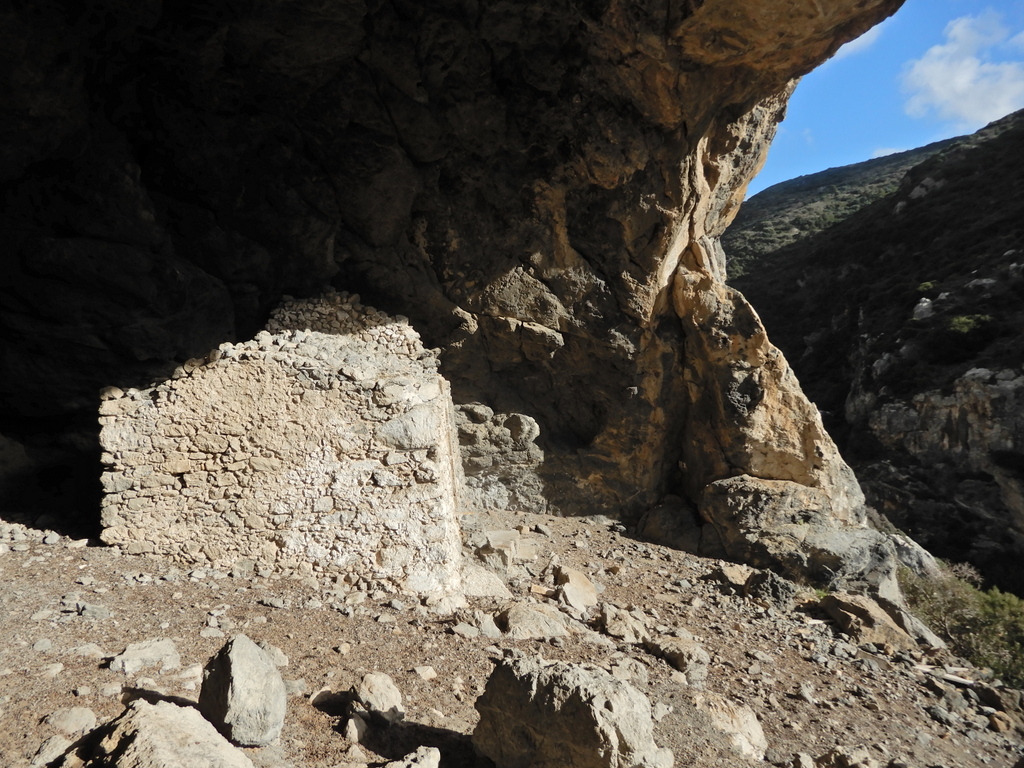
(977, 429)
(540, 187)
(547, 714)
(325, 445)
(911, 340)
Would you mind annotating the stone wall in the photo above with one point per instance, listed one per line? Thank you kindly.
(325, 445)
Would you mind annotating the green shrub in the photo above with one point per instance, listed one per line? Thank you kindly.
(967, 323)
(985, 627)
(927, 285)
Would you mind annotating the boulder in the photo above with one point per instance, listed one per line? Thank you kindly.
(526, 621)
(379, 697)
(243, 693)
(73, 721)
(149, 653)
(802, 531)
(769, 587)
(864, 619)
(161, 735)
(575, 589)
(556, 715)
(478, 581)
(626, 626)
(738, 722)
(685, 654)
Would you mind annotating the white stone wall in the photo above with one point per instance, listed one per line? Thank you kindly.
(325, 445)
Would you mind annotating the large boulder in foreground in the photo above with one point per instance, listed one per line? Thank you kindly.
(161, 735)
(537, 714)
(243, 694)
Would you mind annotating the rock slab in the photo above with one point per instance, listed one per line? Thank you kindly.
(163, 735)
(424, 757)
(149, 653)
(541, 714)
(863, 618)
(243, 694)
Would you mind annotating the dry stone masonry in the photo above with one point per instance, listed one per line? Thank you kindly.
(325, 445)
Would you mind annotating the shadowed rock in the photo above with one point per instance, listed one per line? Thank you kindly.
(547, 714)
(243, 694)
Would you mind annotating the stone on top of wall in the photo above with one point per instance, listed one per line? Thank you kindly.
(324, 445)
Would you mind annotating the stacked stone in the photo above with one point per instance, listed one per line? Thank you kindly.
(324, 445)
(500, 459)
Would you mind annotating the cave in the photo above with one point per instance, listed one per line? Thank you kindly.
(540, 188)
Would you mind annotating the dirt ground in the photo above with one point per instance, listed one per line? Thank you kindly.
(67, 606)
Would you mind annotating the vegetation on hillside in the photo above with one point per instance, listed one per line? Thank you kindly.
(801, 207)
(923, 283)
(986, 627)
(901, 299)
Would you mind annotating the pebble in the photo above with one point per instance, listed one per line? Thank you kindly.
(426, 673)
(41, 646)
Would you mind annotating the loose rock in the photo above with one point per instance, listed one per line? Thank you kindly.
(531, 622)
(161, 735)
(151, 653)
(554, 715)
(424, 757)
(739, 723)
(378, 695)
(685, 654)
(243, 694)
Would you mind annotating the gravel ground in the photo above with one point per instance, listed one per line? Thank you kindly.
(67, 607)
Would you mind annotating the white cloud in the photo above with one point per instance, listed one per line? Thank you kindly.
(885, 152)
(861, 43)
(959, 80)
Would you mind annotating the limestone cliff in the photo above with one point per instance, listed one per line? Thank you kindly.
(526, 182)
(905, 323)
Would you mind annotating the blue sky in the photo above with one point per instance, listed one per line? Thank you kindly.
(937, 68)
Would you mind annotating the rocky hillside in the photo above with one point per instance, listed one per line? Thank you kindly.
(905, 323)
(581, 646)
(801, 207)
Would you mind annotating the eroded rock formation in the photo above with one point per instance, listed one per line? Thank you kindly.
(906, 324)
(526, 182)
